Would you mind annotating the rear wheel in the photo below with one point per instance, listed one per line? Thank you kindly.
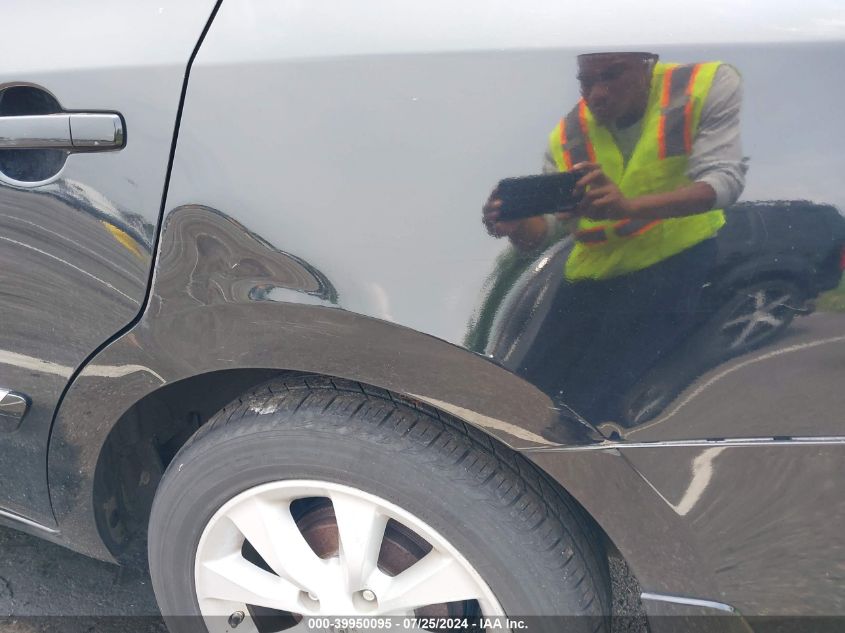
(310, 498)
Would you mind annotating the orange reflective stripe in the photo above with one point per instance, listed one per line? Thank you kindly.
(667, 85)
(585, 130)
(630, 226)
(674, 136)
(664, 103)
(567, 157)
(620, 227)
(594, 235)
(576, 142)
(645, 227)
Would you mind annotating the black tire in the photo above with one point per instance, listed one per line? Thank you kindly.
(532, 544)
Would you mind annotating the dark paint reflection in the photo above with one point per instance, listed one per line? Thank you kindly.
(73, 267)
(776, 529)
(768, 264)
(612, 299)
(231, 264)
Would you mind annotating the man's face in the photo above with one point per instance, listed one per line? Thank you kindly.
(614, 86)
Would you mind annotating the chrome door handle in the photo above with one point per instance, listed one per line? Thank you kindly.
(68, 131)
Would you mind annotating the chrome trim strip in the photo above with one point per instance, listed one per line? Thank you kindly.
(28, 522)
(741, 441)
(692, 602)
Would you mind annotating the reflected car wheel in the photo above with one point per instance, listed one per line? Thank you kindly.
(310, 498)
(756, 314)
(753, 316)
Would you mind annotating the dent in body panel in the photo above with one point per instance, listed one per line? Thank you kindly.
(220, 261)
(214, 307)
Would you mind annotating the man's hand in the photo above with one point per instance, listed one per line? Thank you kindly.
(603, 200)
(490, 213)
(526, 234)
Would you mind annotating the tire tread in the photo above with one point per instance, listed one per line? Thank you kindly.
(526, 495)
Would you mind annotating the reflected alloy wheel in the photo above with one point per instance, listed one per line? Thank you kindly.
(758, 313)
(348, 554)
(312, 498)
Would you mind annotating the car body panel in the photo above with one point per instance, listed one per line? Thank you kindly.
(323, 215)
(754, 525)
(223, 302)
(755, 515)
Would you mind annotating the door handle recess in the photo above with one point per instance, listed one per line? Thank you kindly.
(68, 131)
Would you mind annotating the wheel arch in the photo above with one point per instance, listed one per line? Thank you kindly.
(136, 454)
(142, 373)
(145, 439)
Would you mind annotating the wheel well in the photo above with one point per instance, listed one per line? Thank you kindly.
(145, 439)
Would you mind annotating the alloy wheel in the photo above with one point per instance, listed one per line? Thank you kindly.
(280, 554)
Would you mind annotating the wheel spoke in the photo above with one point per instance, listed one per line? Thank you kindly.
(777, 303)
(746, 332)
(235, 579)
(271, 530)
(737, 321)
(434, 579)
(361, 529)
(769, 318)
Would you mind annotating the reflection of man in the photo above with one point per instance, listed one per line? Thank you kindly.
(659, 149)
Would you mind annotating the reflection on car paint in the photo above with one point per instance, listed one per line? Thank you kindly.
(614, 309)
(762, 277)
(341, 215)
(235, 263)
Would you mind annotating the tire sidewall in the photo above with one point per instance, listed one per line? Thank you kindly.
(266, 449)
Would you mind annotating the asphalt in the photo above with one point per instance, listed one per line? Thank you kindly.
(45, 588)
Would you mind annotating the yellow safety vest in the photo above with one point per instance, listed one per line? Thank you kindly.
(609, 248)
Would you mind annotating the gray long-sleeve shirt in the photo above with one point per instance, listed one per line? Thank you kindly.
(716, 157)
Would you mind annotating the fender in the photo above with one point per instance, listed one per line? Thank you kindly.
(224, 298)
